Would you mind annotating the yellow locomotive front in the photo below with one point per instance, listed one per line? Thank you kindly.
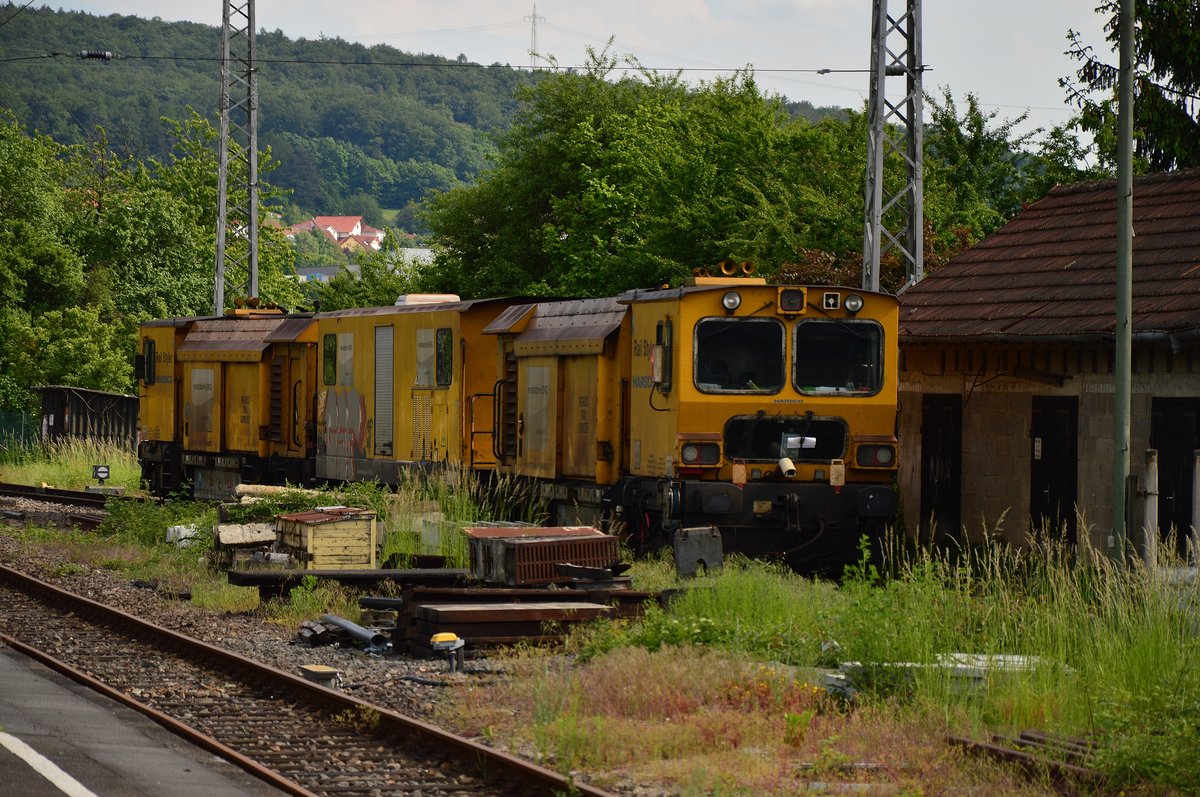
(768, 411)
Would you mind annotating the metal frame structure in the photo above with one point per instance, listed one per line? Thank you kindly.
(534, 18)
(237, 266)
(895, 127)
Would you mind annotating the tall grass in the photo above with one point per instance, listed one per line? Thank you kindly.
(66, 463)
(426, 515)
(1092, 650)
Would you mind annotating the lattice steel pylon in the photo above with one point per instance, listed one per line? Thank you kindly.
(534, 18)
(237, 217)
(886, 122)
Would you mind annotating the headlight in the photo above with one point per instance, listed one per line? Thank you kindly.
(853, 303)
(875, 456)
(731, 301)
(700, 453)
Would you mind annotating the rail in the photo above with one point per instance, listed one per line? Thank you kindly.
(262, 719)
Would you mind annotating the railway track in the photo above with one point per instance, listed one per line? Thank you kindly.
(79, 498)
(302, 738)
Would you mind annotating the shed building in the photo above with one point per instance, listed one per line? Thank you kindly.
(1007, 359)
(89, 414)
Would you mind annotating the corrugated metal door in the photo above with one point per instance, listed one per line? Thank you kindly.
(579, 417)
(384, 405)
(537, 417)
(202, 405)
(242, 406)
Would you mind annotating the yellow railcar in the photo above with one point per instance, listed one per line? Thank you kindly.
(766, 410)
(405, 386)
(226, 400)
(160, 443)
(562, 400)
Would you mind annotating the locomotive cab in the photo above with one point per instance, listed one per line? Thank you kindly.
(767, 411)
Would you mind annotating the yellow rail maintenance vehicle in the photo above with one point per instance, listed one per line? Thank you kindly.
(226, 400)
(405, 387)
(562, 406)
(768, 411)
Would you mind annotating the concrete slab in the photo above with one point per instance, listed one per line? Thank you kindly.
(110, 749)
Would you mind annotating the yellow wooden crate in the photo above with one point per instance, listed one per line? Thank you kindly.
(331, 538)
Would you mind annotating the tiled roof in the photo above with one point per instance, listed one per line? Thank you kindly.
(342, 224)
(1051, 271)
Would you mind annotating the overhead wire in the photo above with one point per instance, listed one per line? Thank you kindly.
(11, 16)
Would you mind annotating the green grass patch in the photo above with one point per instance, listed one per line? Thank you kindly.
(426, 516)
(66, 463)
(1095, 650)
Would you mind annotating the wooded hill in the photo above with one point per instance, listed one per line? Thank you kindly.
(355, 128)
(347, 122)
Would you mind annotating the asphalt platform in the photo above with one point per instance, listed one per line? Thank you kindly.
(59, 738)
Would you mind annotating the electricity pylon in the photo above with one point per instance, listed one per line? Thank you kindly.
(895, 127)
(533, 43)
(237, 259)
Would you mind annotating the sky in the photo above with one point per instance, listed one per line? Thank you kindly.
(1009, 53)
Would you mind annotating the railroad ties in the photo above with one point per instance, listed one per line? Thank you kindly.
(1064, 761)
(488, 617)
(524, 585)
(299, 736)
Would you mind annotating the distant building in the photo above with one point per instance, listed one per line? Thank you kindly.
(350, 233)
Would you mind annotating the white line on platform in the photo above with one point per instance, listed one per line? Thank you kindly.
(45, 767)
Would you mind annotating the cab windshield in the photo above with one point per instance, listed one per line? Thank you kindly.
(836, 357)
(739, 355)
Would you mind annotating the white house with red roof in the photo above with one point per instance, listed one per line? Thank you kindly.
(348, 232)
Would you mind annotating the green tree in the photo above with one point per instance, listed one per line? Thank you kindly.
(38, 269)
(78, 346)
(313, 249)
(1166, 114)
(375, 280)
(978, 169)
(610, 184)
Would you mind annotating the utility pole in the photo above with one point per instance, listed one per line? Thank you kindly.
(906, 119)
(237, 264)
(533, 45)
(1123, 330)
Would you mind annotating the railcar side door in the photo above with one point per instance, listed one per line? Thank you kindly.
(537, 416)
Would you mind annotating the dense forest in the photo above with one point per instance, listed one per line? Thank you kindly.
(353, 127)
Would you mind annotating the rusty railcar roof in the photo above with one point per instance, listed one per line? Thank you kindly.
(1050, 273)
(233, 337)
(586, 322)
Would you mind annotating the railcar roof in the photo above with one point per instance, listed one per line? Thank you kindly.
(667, 294)
(242, 333)
(460, 306)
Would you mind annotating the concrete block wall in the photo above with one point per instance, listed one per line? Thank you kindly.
(997, 416)
(995, 464)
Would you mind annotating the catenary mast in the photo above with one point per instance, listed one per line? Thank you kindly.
(894, 127)
(237, 204)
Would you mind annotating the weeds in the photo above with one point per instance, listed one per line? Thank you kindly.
(1074, 649)
(67, 463)
(312, 598)
(719, 693)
